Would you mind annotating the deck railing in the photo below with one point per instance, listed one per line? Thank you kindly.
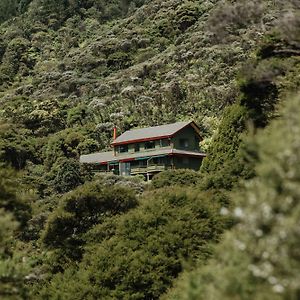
(150, 168)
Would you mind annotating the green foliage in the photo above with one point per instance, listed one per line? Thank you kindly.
(14, 149)
(67, 144)
(118, 60)
(187, 15)
(68, 175)
(9, 200)
(79, 210)
(12, 270)
(12, 208)
(8, 9)
(230, 17)
(226, 163)
(91, 65)
(15, 59)
(76, 116)
(228, 159)
(259, 259)
(175, 178)
(141, 252)
(44, 117)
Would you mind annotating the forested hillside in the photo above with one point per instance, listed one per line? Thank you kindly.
(72, 70)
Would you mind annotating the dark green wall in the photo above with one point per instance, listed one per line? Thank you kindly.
(189, 134)
(184, 162)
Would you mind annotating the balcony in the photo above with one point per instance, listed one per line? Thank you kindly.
(150, 169)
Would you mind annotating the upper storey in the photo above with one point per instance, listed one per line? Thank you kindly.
(181, 136)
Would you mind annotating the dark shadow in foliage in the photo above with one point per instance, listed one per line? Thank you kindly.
(260, 98)
(186, 15)
(13, 268)
(9, 200)
(15, 150)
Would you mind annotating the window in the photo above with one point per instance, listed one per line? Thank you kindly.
(165, 143)
(123, 148)
(150, 145)
(137, 148)
(184, 143)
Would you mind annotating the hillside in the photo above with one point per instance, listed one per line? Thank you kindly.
(72, 70)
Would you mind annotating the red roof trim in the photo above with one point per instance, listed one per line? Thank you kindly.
(126, 160)
(191, 155)
(167, 154)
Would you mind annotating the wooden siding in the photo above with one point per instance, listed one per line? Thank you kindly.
(190, 135)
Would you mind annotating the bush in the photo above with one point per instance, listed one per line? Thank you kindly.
(141, 252)
(10, 201)
(259, 259)
(175, 178)
(68, 175)
(225, 162)
(79, 210)
(15, 150)
(14, 213)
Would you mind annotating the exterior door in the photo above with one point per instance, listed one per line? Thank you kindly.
(125, 169)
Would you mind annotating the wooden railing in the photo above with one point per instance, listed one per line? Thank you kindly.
(145, 169)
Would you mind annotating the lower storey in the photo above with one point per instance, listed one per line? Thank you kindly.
(149, 166)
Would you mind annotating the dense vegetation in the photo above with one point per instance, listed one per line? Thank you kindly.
(72, 70)
(259, 258)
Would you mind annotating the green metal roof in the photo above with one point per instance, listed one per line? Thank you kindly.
(151, 132)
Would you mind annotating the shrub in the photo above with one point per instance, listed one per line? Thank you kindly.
(81, 209)
(15, 150)
(10, 201)
(259, 259)
(141, 252)
(68, 175)
(225, 161)
(179, 177)
(14, 213)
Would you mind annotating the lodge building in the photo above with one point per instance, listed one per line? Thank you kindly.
(148, 151)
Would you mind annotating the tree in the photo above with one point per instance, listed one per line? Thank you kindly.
(13, 216)
(259, 258)
(137, 255)
(15, 150)
(80, 210)
(10, 201)
(8, 8)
